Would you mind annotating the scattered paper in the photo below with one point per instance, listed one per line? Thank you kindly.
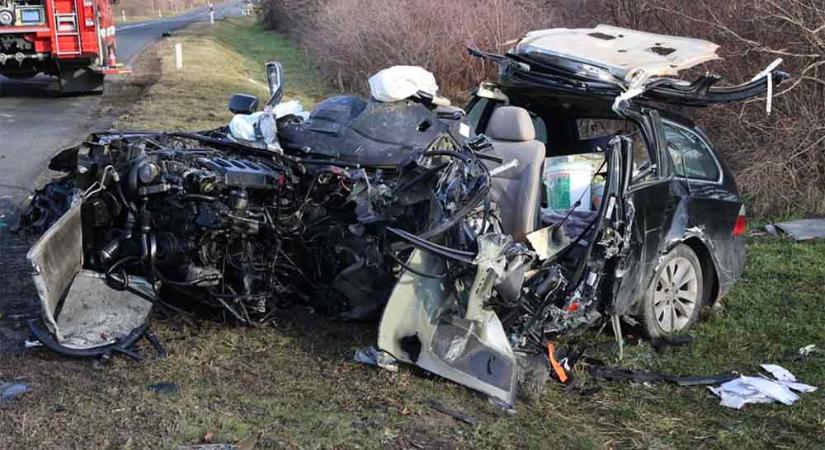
(738, 392)
(779, 372)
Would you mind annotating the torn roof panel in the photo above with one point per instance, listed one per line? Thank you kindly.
(627, 54)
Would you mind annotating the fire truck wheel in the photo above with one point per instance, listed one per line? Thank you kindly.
(19, 75)
(80, 79)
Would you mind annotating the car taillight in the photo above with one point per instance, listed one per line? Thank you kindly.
(741, 224)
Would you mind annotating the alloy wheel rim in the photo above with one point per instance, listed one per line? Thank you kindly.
(676, 295)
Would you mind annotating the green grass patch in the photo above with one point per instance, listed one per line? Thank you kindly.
(294, 384)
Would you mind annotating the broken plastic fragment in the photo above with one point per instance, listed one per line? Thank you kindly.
(11, 391)
(557, 367)
(164, 387)
(807, 350)
(374, 357)
(767, 74)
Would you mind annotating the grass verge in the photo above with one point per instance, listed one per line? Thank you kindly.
(218, 62)
(295, 385)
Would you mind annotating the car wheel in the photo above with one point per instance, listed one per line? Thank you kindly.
(674, 298)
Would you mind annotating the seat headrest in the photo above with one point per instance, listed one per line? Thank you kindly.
(511, 123)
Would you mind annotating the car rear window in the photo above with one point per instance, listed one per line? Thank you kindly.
(692, 158)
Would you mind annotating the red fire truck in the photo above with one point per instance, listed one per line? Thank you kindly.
(71, 39)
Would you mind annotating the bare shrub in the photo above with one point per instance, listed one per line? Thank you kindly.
(353, 39)
(292, 17)
(779, 160)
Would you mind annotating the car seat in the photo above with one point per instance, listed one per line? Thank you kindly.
(516, 191)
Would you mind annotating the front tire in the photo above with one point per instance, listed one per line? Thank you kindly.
(672, 302)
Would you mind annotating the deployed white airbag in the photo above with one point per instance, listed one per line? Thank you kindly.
(401, 82)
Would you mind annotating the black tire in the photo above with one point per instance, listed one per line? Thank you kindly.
(674, 298)
(80, 80)
(19, 75)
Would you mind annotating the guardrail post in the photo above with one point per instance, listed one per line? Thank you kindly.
(178, 56)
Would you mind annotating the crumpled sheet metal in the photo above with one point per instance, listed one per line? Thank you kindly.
(799, 230)
(79, 308)
(548, 241)
(56, 258)
(419, 327)
(95, 314)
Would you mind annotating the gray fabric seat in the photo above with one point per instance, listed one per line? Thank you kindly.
(517, 191)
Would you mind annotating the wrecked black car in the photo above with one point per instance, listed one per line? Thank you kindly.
(564, 197)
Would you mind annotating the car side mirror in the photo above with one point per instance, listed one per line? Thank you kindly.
(243, 104)
(275, 77)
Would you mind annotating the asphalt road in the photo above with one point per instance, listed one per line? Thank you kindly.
(35, 123)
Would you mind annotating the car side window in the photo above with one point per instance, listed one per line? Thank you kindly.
(692, 158)
(540, 126)
(476, 110)
(475, 113)
(595, 128)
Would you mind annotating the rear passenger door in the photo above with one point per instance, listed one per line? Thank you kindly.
(647, 192)
(709, 203)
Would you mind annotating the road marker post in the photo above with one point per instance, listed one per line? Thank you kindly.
(212, 17)
(178, 56)
(123, 13)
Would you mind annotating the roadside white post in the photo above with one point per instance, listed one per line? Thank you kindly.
(160, 13)
(178, 56)
(123, 13)
(211, 17)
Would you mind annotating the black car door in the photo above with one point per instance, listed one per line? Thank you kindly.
(649, 204)
(710, 202)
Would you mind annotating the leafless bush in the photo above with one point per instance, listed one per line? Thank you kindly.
(779, 160)
(355, 38)
(293, 17)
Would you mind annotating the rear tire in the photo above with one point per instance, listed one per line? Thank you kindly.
(79, 80)
(672, 302)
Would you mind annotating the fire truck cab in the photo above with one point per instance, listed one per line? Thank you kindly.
(73, 40)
